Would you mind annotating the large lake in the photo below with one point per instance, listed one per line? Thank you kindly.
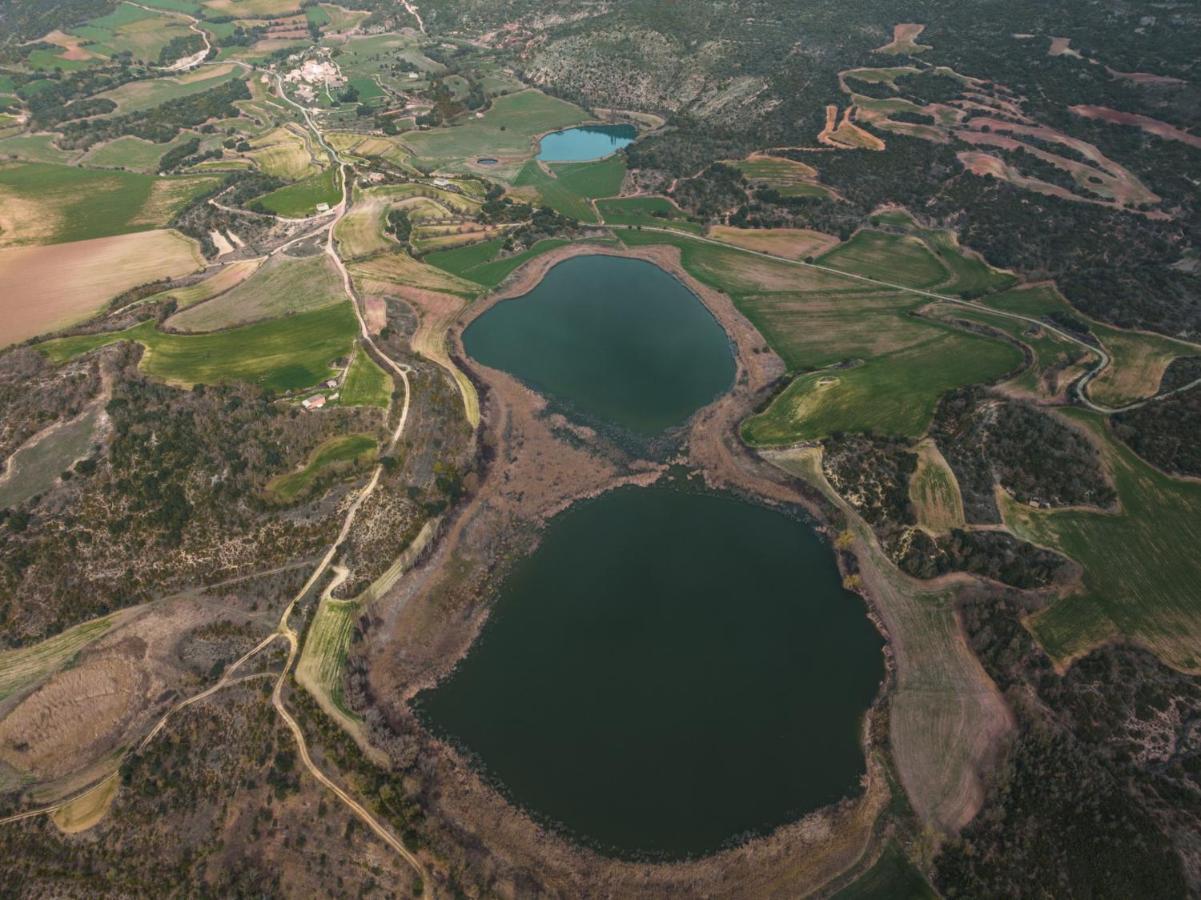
(585, 143)
(668, 673)
(618, 339)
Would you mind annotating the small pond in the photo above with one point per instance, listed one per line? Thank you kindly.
(585, 143)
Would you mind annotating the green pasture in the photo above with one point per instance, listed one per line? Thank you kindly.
(295, 201)
(281, 354)
(335, 456)
(366, 384)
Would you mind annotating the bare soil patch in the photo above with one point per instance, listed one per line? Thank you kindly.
(904, 40)
(1146, 123)
(49, 287)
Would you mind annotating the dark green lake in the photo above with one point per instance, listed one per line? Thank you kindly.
(669, 672)
(618, 339)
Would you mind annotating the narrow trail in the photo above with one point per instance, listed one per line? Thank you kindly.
(1105, 360)
(284, 629)
(187, 62)
(412, 10)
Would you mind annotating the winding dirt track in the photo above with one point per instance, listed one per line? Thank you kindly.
(1104, 361)
(284, 629)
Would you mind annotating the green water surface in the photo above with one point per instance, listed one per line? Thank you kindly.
(619, 339)
(669, 672)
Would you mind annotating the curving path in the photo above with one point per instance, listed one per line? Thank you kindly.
(1104, 359)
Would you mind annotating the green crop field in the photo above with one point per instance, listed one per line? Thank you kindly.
(35, 148)
(970, 275)
(140, 95)
(73, 204)
(1142, 572)
(366, 384)
(281, 354)
(599, 178)
(478, 262)
(507, 129)
(892, 394)
(283, 286)
(300, 199)
(326, 644)
(553, 192)
(1139, 358)
(898, 259)
(656, 212)
(128, 152)
(336, 456)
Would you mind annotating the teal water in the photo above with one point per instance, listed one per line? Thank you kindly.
(669, 672)
(618, 339)
(585, 143)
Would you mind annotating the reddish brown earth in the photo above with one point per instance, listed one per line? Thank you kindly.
(1146, 123)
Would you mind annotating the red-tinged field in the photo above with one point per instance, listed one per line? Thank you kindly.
(1146, 123)
(46, 288)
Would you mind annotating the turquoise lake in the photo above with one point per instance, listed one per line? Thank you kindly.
(585, 143)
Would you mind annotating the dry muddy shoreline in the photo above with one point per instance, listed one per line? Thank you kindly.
(533, 465)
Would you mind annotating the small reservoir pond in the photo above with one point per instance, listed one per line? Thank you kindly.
(669, 672)
(585, 143)
(618, 339)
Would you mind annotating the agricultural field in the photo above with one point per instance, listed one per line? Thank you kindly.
(481, 262)
(361, 231)
(36, 467)
(229, 276)
(790, 243)
(789, 177)
(897, 259)
(51, 204)
(46, 288)
(1139, 359)
(400, 268)
(38, 148)
(131, 29)
(506, 132)
(366, 384)
(934, 492)
(1141, 570)
(890, 394)
(283, 354)
(322, 664)
(301, 199)
(24, 667)
(137, 96)
(134, 153)
(284, 152)
(658, 212)
(282, 287)
(334, 458)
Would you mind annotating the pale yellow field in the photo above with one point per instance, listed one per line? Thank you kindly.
(168, 194)
(360, 233)
(228, 277)
(283, 153)
(46, 288)
(793, 243)
(934, 492)
(400, 268)
(87, 810)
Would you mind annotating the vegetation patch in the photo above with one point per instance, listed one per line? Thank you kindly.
(280, 354)
(897, 259)
(332, 461)
(283, 287)
(366, 384)
(51, 204)
(893, 394)
(1140, 565)
(300, 199)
